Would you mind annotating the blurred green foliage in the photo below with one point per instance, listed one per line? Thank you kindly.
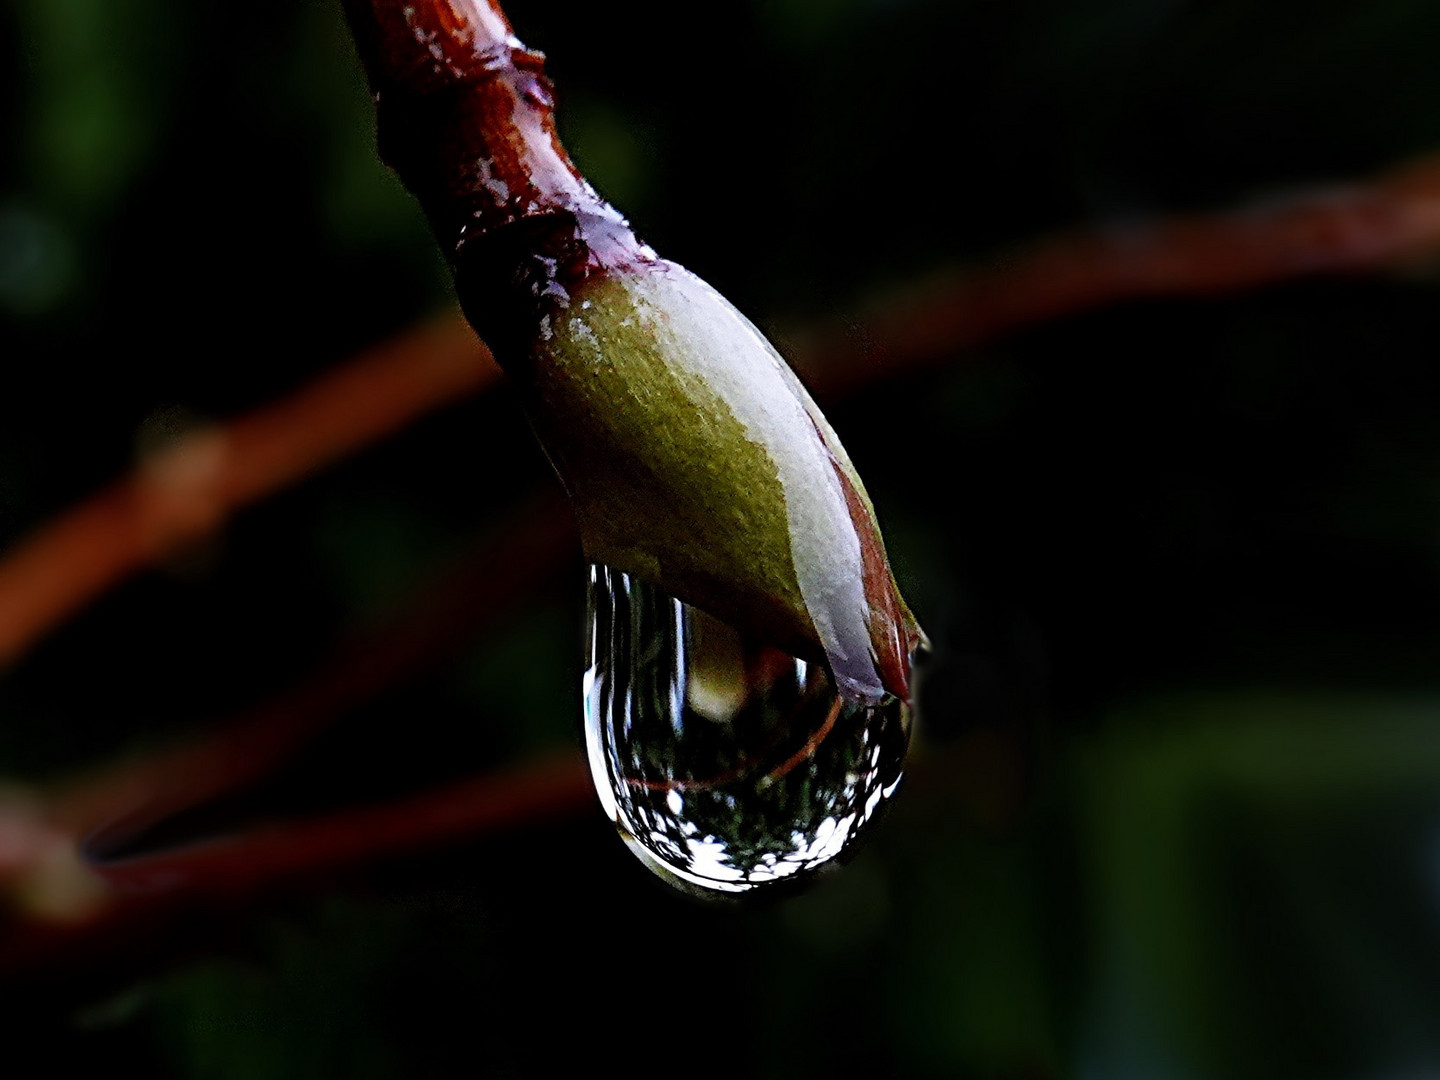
(1174, 813)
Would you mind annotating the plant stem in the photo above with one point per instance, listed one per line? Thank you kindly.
(184, 493)
(465, 116)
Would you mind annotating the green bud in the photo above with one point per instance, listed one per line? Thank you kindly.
(696, 460)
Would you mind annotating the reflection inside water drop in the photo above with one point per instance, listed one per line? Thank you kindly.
(725, 765)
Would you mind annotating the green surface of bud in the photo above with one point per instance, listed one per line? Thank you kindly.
(697, 461)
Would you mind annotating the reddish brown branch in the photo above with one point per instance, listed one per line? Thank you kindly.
(107, 905)
(44, 875)
(516, 560)
(1360, 228)
(543, 788)
(180, 495)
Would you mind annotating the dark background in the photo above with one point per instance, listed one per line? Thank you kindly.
(1174, 807)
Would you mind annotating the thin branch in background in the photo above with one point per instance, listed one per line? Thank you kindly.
(181, 494)
(545, 786)
(1389, 222)
(50, 884)
(139, 898)
(514, 561)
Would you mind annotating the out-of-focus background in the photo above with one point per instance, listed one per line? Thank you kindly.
(1174, 810)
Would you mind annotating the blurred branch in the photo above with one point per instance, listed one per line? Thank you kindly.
(508, 566)
(1388, 222)
(181, 494)
(75, 912)
(62, 897)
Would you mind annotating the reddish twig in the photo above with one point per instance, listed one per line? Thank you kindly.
(41, 866)
(1360, 228)
(544, 787)
(181, 494)
(514, 562)
(106, 904)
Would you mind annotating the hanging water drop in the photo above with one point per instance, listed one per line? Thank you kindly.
(726, 765)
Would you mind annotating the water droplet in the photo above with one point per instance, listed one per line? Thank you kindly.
(727, 766)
